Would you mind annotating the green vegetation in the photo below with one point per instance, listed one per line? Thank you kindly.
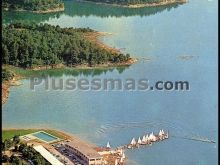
(32, 5)
(14, 151)
(128, 2)
(9, 134)
(26, 46)
(7, 74)
(20, 153)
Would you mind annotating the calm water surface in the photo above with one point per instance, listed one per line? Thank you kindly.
(162, 35)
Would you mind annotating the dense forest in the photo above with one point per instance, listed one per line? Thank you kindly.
(29, 45)
(33, 5)
(130, 2)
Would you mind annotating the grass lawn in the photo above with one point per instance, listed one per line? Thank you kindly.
(8, 134)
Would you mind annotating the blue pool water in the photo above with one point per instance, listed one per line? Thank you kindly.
(44, 136)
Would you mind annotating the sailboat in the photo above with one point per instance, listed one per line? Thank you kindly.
(152, 137)
(108, 145)
(160, 133)
(167, 135)
(139, 140)
(123, 155)
(147, 138)
(133, 142)
(143, 139)
(121, 160)
(116, 161)
(121, 152)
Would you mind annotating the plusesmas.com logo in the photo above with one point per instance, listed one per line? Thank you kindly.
(107, 84)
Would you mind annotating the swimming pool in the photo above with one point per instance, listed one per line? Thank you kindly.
(45, 136)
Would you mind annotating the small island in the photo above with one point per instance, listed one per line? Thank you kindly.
(137, 3)
(36, 6)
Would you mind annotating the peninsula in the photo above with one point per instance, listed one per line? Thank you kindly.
(33, 45)
(137, 3)
(36, 6)
(43, 46)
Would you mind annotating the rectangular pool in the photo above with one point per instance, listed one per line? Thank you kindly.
(45, 136)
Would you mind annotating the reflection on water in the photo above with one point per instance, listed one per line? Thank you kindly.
(75, 8)
(87, 9)
(10, 16)
(77, 72)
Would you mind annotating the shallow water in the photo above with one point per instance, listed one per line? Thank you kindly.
(162, 35)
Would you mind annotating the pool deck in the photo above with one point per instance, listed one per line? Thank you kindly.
(32, 136)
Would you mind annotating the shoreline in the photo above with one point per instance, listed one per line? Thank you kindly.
(95, 38)
(15, 82)
(58, 9)
(141, 5)
(109, 155)
(60, 134)
(6, 87)
(92, 37)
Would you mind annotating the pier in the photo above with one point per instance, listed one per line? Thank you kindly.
(117, 156)
(201, 139)
(147, 140)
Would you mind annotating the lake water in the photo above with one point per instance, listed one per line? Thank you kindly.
(163, 35)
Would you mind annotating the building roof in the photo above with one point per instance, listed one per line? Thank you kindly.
(84, 148)
(47, 155)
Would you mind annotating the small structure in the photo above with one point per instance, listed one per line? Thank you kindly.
(85, 153)
(47, 155)
(108, 145)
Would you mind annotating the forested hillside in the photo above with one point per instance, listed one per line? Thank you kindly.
(26, 45)
(33, 5)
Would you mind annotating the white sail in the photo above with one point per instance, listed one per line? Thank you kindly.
(147, 137)
(143, 139)
(133, 142)
(121, 152)
(116, 161)
(139, 140)
(167, 134)
(108, 145)
(121, 160)
(123, 155)
(160, 133)
(152, 137)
